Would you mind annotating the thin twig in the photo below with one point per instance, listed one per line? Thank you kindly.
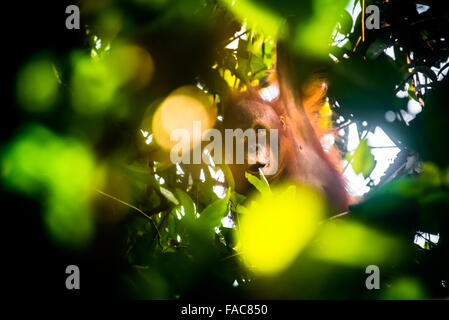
(231, 256)
(344, 125)
(238, 36)
(339, 215)
(363, 21)
(357, 43)
(136, 209)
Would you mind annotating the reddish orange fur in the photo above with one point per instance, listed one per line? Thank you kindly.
(313, 96)
(302, 157)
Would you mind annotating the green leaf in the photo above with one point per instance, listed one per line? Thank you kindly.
(168, 195)
(348, 45)
(362, 159)
(237, 198)
(230, 236)
(243, 68)
(138, 167)
(261, 184)
(236, 202)
(242, 50)
(138, 173)
(241, 209)
(257, 64)
(228, 176)
(377, 48)
(312, 35)
(186, 202)
(411, 93)
(345, 23)
(214, 212)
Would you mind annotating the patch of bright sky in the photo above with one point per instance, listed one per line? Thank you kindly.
(159, 179)
(437, 70)
(403, 93)
(354, 12)
(179, 170)
(270, 93)
(390, 52)
(202, 176)
(422, 237)
(413, 107)
(149, 137)
(382, 148)
(206, 153)
(227, 221)
(421, 8)
(235, 43)
(327, 141)
(180, 212)
(217, 175)
(220, 191)
(384, 151)
(353, 137)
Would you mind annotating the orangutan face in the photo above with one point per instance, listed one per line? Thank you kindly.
(266, 152)
(298, 155)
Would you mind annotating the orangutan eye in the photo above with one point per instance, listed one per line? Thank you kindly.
(260, 130)
(254, 148)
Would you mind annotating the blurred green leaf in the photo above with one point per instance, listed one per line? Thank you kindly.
(228, 176)
(258, 16)
(37, 85)
(168, 195)
(261, 183)
(216, 211)
(405, 289)
(345, 23)
(186, 202)
(362, 159)
(60, 170)
(377, 48)
(313, 36)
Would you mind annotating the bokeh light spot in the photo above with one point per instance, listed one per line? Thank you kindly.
(180, 110)
(93, 85)
(37, 85)
(61, 171)
(277, 226)
(405, 289)
(353, 244)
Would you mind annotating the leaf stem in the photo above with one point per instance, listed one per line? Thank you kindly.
(136, 209)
